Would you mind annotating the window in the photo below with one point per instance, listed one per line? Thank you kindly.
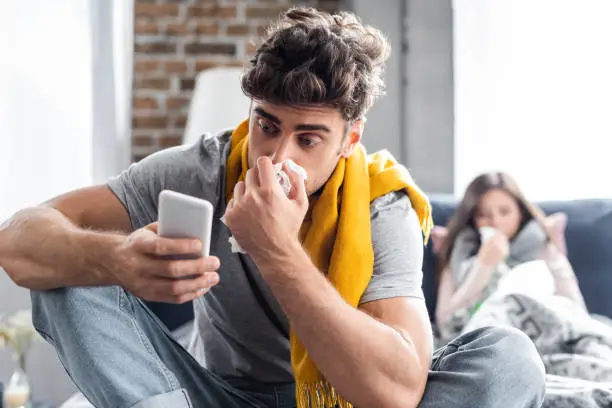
(533, 94)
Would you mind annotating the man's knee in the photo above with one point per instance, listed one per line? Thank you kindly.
(44, 309)
(68, 306)
(515, 370)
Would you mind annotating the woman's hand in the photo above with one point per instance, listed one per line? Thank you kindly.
(494, 250)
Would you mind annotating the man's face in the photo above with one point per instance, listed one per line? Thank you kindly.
(315, 137)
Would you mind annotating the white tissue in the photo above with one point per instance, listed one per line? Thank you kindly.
(293, 166)
(285, 183)
(283, 178)
(486, 233)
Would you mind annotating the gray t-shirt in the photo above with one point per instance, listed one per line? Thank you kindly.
(240, 329)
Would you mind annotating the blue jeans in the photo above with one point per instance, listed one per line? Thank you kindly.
(120, 355)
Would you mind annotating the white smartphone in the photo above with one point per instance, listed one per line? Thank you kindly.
(184, 216)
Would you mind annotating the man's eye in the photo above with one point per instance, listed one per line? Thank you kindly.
(309, 142)
(266, 127)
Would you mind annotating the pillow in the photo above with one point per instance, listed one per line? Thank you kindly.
(438, 235)
(554, 224)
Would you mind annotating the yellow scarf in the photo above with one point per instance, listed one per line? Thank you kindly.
(337, 238)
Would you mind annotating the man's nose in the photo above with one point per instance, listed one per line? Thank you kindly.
(283, 150)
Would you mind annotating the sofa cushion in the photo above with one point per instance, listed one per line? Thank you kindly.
(588, 237)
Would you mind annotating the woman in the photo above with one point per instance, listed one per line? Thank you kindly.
(493, 230)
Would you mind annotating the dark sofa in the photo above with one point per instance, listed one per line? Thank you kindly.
(589, 244)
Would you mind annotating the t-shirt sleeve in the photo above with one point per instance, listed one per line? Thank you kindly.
(397, 241)
(185, 169)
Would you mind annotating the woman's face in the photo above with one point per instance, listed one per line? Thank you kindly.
(499, 210)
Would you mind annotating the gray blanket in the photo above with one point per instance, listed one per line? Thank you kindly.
(576, 348)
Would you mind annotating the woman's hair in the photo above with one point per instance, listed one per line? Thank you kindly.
(466, 210)
(311, 57)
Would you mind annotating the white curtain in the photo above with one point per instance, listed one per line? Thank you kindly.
(533, 86)
(112, 53)
(47, 110)
(65, 80)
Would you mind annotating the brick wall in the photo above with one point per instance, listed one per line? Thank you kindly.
(176, 39)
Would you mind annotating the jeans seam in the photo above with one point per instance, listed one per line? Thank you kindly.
(123, 298)
(276, 398)
(447, 350)
(46, 337)
(182, 390)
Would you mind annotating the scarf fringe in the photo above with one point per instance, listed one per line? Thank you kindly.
(320, 394)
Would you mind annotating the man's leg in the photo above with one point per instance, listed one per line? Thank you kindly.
(118, 354)
(489, 367)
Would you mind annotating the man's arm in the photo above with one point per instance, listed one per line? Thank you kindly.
(85, 237)
(60, 243)
(378, 356)
(375, 357)
(56, 245)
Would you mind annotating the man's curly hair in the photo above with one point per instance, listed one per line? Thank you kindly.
(311, 57)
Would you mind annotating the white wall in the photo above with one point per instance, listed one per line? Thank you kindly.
(523, 87)
(414, 121)
(384, 124)
(428, 110)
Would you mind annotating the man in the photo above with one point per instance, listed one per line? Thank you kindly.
(325, 310)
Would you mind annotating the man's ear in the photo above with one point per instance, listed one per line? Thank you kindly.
(353, 138)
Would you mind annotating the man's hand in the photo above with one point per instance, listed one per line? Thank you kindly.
(260, 216)
(142, 265)
(494, 250)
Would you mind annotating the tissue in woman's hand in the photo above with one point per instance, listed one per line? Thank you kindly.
(486, 233)
(285, 183)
